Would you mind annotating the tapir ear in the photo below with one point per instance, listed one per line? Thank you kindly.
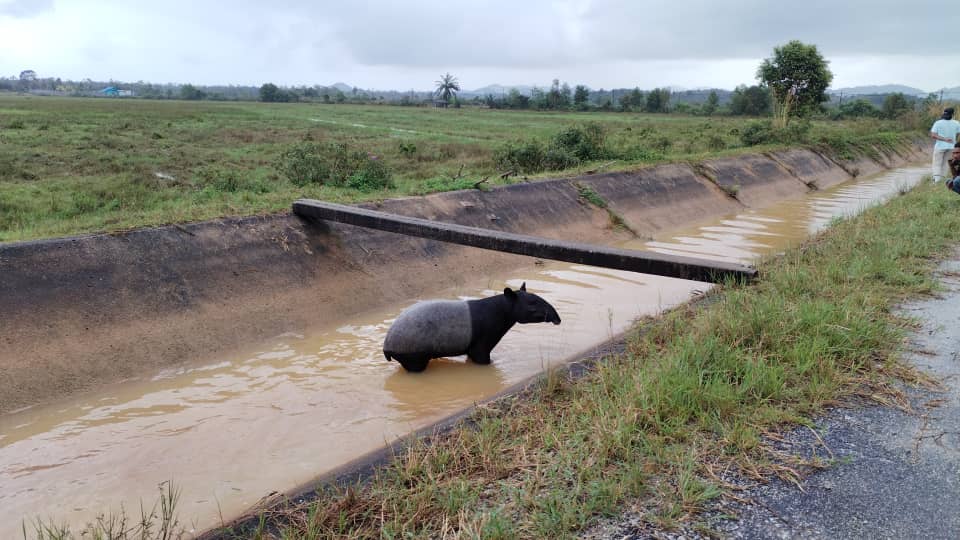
(509, 293)
(524, 286)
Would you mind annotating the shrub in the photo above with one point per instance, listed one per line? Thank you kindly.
(520, 156)
(764, 133)
(568, 148)
(795, 132)
(640, 153)
(229, 181)
(756, 133)
(408, 149)
(715, 142)
(304, 164)
(859, 108)
(333, 164)
(661, 143)
(342, 161)
(373, 174)
(895, 105)
(16, 124)
(586, 141)
(555, 159)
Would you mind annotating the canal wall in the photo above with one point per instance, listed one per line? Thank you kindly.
(85, 311)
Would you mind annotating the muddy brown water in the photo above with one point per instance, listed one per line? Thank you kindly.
(229, 431)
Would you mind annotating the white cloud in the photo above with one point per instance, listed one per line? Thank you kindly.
(24, 8)
(389, 44)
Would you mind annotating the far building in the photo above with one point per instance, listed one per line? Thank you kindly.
(113, 91)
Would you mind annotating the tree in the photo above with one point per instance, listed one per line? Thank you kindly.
(750, 100)
(713, 101)
(798, 77)
(191, 92)
(581, 94)
(447, 87)
(538, 98)
(632, 100)
(857, 108)
(658, 100)
(895, 105)
(553, 95)
(270, 93)
(516, 100)
(566, 96)
(636, 98)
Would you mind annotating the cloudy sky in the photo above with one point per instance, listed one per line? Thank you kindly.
(389, 44)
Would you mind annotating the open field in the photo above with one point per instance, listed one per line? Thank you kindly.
(72, 165)
(691, 398)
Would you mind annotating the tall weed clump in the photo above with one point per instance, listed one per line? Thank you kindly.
(334, 164)
(570, 147)
(757, 133)
(585, 142)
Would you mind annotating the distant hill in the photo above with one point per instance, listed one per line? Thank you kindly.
(498, 90)
(343, 87)
(951, 93)
(880, 89)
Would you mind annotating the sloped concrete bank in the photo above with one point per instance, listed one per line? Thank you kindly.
(86, 311)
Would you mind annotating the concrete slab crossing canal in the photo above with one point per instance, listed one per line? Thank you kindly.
(678, 266)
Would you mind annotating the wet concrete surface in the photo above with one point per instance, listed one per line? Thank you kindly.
(891, 474)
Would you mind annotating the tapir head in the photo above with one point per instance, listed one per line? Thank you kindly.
(530, 308)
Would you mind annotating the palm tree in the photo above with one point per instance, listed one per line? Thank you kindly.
(447, 87)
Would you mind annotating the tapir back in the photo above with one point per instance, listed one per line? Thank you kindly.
(440, 327)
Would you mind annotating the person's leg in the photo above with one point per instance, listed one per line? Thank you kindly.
(954, 185)
(940, 164)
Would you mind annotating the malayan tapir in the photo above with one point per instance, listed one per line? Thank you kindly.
(438, 328)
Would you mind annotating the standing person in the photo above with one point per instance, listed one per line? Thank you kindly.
(944, 131)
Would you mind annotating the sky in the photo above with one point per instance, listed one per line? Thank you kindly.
(388, 44)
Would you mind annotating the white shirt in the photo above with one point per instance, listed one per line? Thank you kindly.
(948, 129)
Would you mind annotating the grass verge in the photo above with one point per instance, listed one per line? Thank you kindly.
(692, 395)
(74, 165)
(158, 523)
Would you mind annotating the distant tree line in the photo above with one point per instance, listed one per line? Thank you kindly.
(805, 95)
(561, 97)
(29, 83)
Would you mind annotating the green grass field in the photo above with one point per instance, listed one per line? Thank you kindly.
(75, 165)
